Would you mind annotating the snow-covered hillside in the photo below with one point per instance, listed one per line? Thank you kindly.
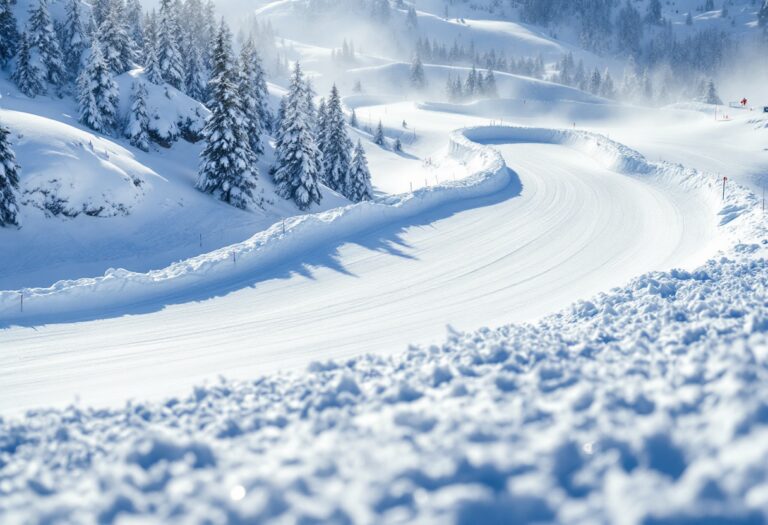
(372, 261)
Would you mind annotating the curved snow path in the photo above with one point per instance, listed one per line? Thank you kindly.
(574, 229)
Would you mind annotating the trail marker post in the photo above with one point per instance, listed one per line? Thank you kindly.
(21, 301)
(725, 179)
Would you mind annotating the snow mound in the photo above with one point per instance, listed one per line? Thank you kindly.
(645, 405)
(172, 114)
(68, 172)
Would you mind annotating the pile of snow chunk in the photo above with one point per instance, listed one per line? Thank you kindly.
(644, 405)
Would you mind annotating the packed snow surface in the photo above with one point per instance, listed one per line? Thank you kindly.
(646, 405)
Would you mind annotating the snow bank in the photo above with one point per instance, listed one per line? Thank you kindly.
(645, 405)
(296, 235)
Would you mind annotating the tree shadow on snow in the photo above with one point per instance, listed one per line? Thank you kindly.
(388, 239)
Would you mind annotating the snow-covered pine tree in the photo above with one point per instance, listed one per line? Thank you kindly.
(168, 54)
(100, 10)
(378, 137)
(336, 146)
(359, 185)
(595, 82)
(116, 42)
(321, 124)
(629, 29)
(74, 39)
(137, 128)
(280, 116)
(253, 94)
(710, 95)
(195, 84)
(411, 20)
(297, 168)
(9, 34)
(9, 181)
(44, 44)
(653, 15)
(227, 167)
(151, 62)
(353, 119)
(134, 15)
(607, 88)
(491, 90)
(98, 92)
(309, 104)
(470, 87)
(27, 76)
(418, 78)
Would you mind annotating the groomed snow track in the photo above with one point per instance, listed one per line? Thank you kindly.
(579, 214)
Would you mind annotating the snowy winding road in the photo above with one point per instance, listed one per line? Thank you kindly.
(570, 229)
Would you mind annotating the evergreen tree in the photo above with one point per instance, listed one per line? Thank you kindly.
(654, 12)
(359, 186)
(607, 88)
(137, 128)
(491, 90)
(253, 91)
(595, 82)
(134, 16)
(98, 97)
(151, 61)
(118, 47)
(629, 29)
(9, 35)
(228, 166)
(470, 87)
(100, 10)
(74, 39)
(378, 137)
(353, 119)
(335, 146)
(411, 20)
(44, 44)
(168, 54)
(298, 159)
(710, 95)
(418, 79)
(280, 116)
(27, 75)
(689, 19)
(9, 181)
(195, 85)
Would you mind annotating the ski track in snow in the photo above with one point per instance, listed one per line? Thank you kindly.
(575, 226)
